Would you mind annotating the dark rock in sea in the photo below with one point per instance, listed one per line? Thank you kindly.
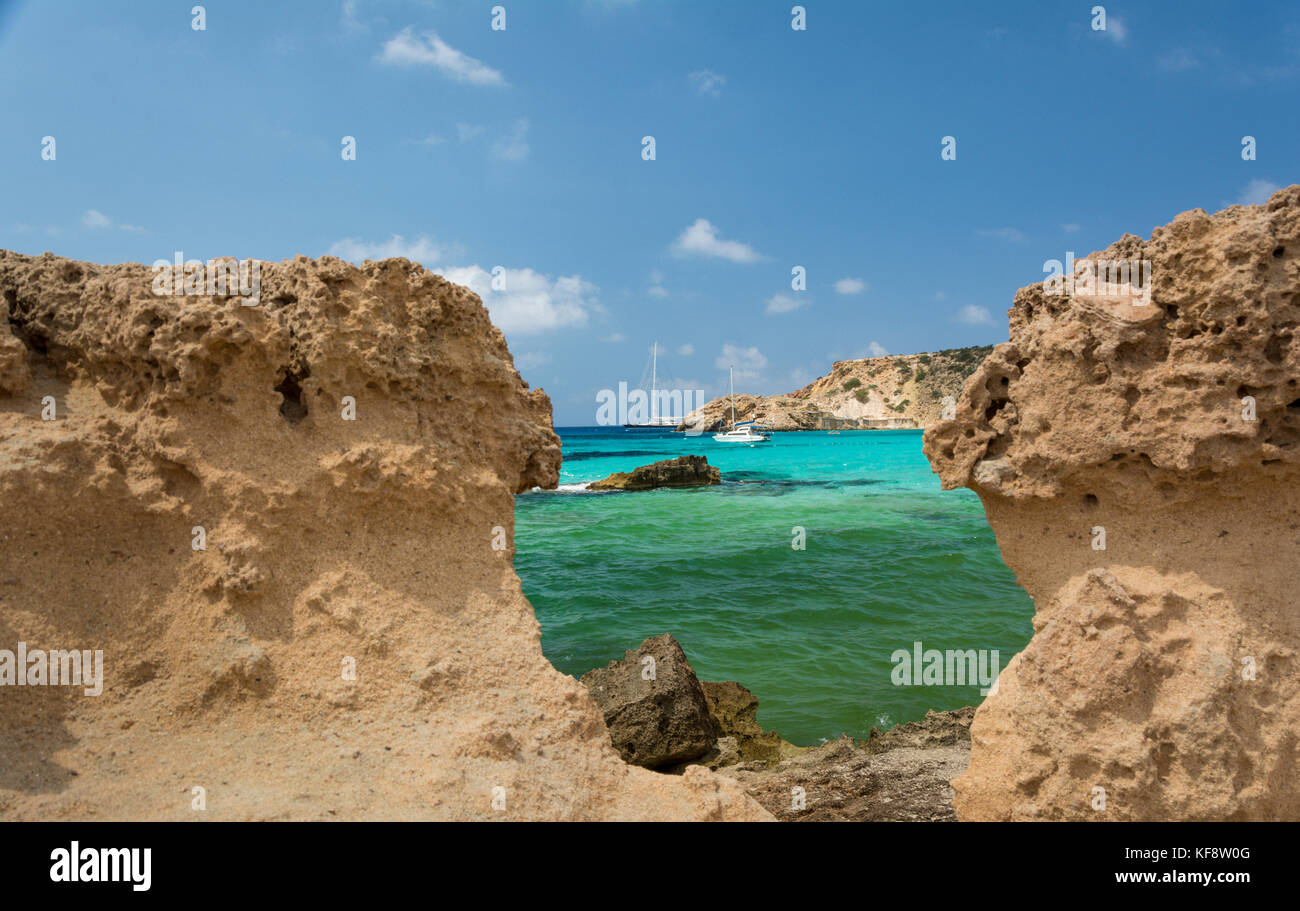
(685, 471)
(655, 710)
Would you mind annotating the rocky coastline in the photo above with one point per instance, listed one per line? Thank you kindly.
(891, 392)
(661, 716)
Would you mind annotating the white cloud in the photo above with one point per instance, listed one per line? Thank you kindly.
(850, 286)
(785, 303)
(657, 291)
(433, 139)
(1012, 234)
(941, 295)
(1116, 30)
(96, 221)
(467, 131)
(528, 302)
(707, 82)
(514, 145)
(1257, 192)
(875, 349)
(421, 250)
(686, 350)
(614, 338)
(749, 362)
(974, 315)
(531, 301)
(701, 239)
(1070, 227)
(406, 49)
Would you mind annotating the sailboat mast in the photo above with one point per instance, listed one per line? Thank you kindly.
(733, 395)
(654, 380)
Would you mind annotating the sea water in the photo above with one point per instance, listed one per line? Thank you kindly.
(888, 560)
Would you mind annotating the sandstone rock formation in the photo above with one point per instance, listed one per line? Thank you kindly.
(683, 471)
(891, 392)
(1163, 680)
(201, 509)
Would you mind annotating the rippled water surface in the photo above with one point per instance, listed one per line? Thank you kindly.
(890, 559)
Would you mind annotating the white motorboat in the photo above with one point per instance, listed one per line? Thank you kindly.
(744, 432)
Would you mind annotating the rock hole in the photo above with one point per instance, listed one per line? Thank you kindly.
(1091, 501)
(293, 408)
(1277, 254)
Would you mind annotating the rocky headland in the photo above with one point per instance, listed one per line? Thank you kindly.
(892, 392)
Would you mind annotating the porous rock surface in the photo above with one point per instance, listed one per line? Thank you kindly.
(383, 541)
(1162, 681)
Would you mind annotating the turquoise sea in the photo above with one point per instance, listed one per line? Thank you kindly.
(889, 560)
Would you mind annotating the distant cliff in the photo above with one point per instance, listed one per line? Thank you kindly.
(895, 391)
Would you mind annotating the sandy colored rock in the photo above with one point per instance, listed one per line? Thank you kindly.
(1163, 669)
(327, 541)
(683, 471)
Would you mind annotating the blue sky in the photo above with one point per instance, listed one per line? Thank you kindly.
(774, 148)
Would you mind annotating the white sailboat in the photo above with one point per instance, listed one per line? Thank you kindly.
(745, 431)
(661, 422)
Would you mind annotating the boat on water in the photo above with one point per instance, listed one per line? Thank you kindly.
(745, 431)
(656, 422)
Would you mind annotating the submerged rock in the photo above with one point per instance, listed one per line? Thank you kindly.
(683, 471)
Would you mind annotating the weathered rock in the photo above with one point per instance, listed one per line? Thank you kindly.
(734, 710)
(327, 544)
(1140, 465)
(653, 705)
(900, 775)
(683, 471)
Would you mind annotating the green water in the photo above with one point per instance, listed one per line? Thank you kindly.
(890, 559)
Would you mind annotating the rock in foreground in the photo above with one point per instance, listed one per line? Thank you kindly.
(683, 471)
(282, 525)
(1140, 465)
(901, 775)
(653, 705)
(675, 719)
